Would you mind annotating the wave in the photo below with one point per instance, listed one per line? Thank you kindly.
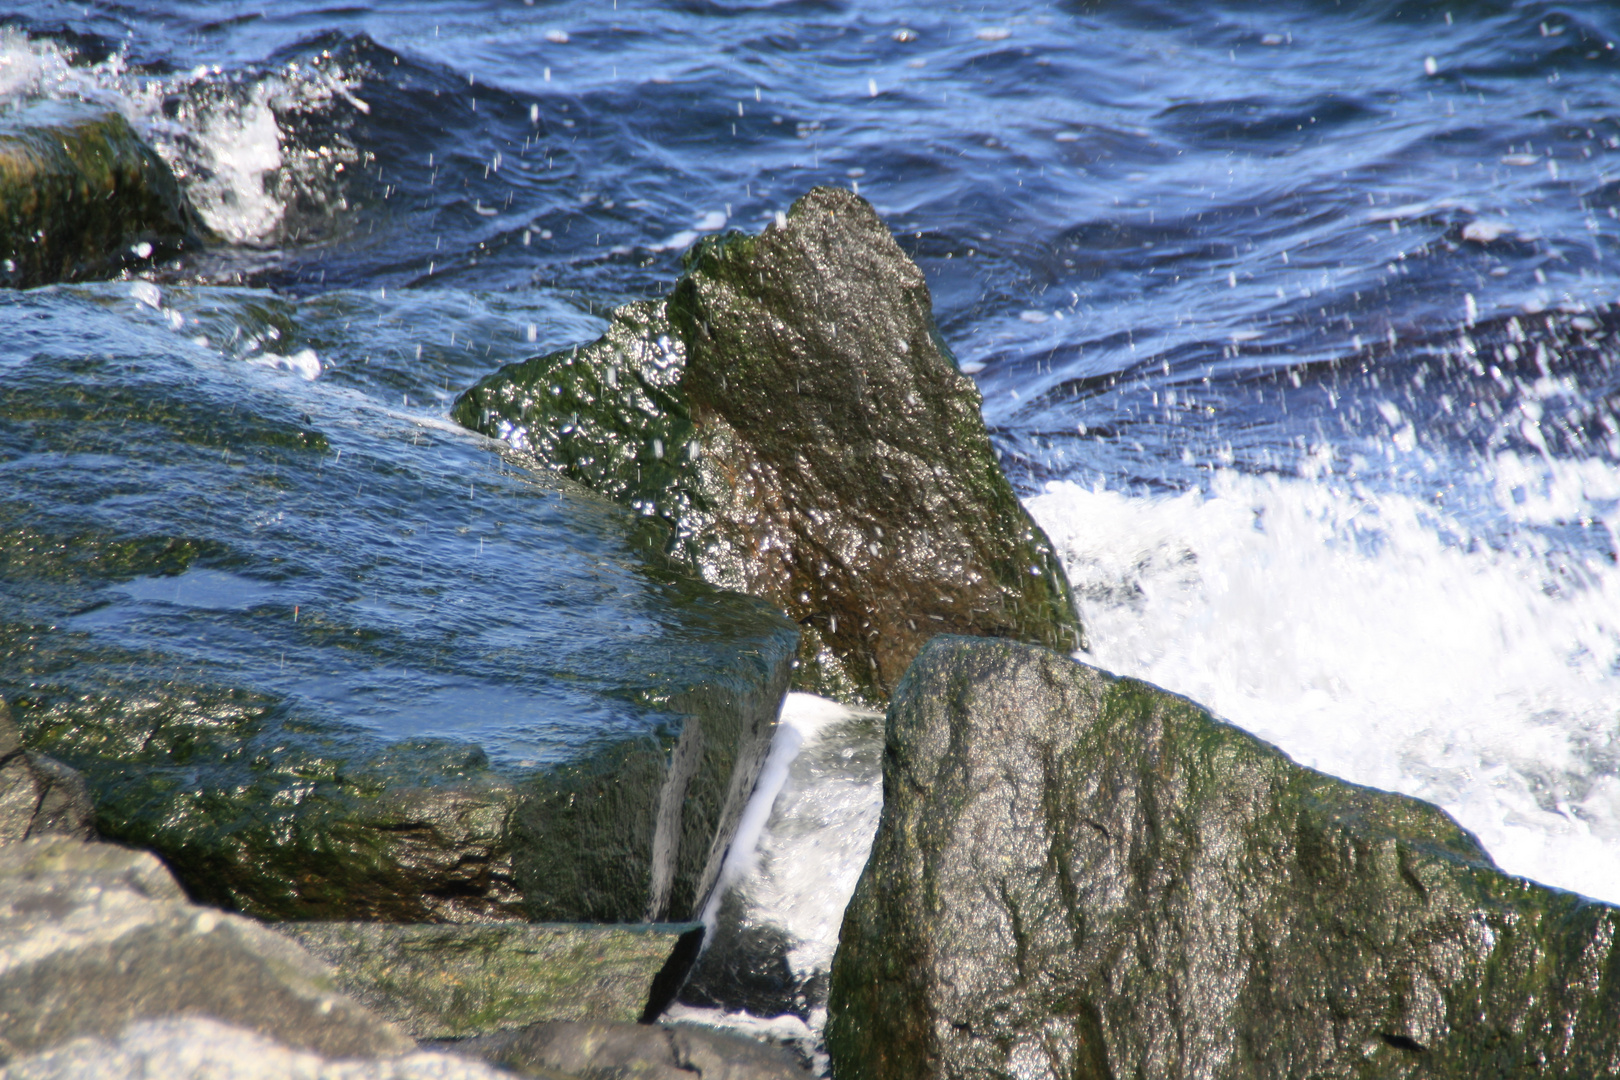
(1384, 640)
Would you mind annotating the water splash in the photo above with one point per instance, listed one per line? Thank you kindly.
(1382, 640)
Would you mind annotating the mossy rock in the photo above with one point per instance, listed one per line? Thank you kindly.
(1078, 875)
(791, 421)
(81, 196)
(447, 982)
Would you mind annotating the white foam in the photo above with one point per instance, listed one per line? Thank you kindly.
(223, 140)
(1377, 639)
(242, 147)
(304, 363)
(805, 718)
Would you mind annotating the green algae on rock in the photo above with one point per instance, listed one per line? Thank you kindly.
(792, 417)
(197, 629)
(1084, 876)
(446, 982)
(82, 197)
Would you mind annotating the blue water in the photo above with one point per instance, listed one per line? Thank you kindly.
(1294, 323)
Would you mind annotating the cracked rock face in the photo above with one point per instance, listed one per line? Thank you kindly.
(795, 426)
(1084, 876)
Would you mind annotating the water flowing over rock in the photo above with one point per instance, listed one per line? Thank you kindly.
(94, 937)
(545, 726)
(1083, 876)
(82, 197)
(792, 416)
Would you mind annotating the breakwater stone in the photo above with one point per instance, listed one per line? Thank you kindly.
(444, 981)
(95, 937)
(81, 196)
(1084, 876)
(793, 421)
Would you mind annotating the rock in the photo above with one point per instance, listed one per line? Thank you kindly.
(617, 1051)
(197, 1048)
(1078, 875)
(442, 982)
(81, 196)
(793, 419)
(94, 937)
(629, 822)
(39, 796)
(631, 825)
(565, 731)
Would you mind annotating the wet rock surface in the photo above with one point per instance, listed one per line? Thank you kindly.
(792, 419)
(39, 796)
(610, 1051)
(94, 937)
(441, 982)
(1078, 875)
(82, 197)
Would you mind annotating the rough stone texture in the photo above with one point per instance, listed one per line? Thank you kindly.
(609, 1051)
(79, 192)
(794, 419)
(39, 796)
(93, 937)
(197, 1048)
(1083, 876)
(441, 982)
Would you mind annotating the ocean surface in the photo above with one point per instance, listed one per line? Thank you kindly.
(1296, 326)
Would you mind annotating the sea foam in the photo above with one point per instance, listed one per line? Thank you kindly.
(1377, 638)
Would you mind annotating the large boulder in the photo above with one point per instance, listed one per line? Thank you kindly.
(630, 823)
(793, 420)
(1083, 876)
(94, 937)
(442, 981)
(81, 196)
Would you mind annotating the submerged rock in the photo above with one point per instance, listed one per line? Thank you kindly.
(297, 821)
(792, 418)
(444, 982)
(94, 937)
(1084, 876)
(351, 709)
(618, 1051)
(82, 197)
